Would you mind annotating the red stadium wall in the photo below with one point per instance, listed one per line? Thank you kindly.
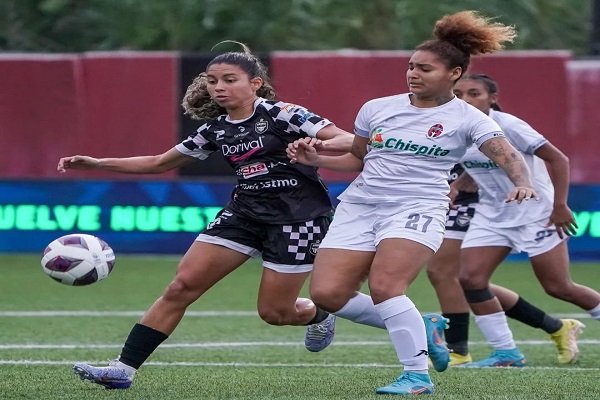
(127, 103)
(584, 120)
(99, 104)
(336, 84)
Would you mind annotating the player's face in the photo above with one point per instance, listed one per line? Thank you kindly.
(475, 93)
(230, 86)
(428, 77)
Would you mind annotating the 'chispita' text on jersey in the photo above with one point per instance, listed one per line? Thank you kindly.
(270, 189)
(494, 184)
(411, 150)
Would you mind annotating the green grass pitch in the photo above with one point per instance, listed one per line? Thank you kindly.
(222, 350)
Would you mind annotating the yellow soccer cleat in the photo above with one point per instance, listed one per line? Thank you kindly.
(566, 340)
(459, 359)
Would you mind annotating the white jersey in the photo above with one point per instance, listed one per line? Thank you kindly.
(411, 150)
(494, 184)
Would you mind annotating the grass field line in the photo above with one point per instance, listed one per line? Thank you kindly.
(224, 313)
(30, 346)
(268, 365)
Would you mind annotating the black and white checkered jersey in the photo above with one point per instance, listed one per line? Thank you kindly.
(270, 189)
(462, 197)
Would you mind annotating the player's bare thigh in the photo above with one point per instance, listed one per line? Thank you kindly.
(337, 275)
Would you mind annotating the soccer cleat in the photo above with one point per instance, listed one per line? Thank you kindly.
(110, 377)
(566, 340)
(408, 383)
(320, 335)
(458, 359)
(499, 358)
(438, 352)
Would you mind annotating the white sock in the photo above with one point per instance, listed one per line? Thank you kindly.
(128, 368)
(595, 312)
(495, 329)
(407, 332)
(360, 309)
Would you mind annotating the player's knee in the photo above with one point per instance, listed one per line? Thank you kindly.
(469, 281)
(329, 299)
(479, 295)
(558, 290)
(439, 276)
(273, 315)
(179, 291)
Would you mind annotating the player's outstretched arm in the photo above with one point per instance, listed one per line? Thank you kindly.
(132, 165)
(500, 151)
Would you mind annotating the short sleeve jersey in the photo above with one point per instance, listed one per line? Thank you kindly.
(269, 189)
(494, 184)
(411, 150)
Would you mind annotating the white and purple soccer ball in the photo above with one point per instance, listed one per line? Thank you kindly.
(78, 259)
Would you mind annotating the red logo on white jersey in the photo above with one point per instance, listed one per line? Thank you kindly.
(435, 131)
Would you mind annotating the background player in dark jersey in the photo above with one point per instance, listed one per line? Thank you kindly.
(278, 209)
(443, 271)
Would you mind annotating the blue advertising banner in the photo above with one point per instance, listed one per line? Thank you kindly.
(165, 216)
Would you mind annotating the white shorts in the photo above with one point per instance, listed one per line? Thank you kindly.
(362, 226)
(533, 238)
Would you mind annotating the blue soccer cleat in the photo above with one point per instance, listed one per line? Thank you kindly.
(498, 359)
(408, 383)
(320, 335)
(438, 352)
(110, 377)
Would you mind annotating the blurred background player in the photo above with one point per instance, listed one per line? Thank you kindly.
(391, 218)
(278, 210)
(443, 271)
(538, 228)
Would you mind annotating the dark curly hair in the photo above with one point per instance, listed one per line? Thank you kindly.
(197, 102)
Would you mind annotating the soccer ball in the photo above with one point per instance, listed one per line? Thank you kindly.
(78, 259)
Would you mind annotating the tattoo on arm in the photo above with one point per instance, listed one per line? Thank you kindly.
(509, 159)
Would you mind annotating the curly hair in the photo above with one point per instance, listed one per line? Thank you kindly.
(464, 34)
(197, 102)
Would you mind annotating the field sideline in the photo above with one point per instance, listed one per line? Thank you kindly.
(222, 350)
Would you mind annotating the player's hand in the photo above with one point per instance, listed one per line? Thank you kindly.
(563, 219)
(304, 151)
(520, 193)
(77, 162)
(452, 195)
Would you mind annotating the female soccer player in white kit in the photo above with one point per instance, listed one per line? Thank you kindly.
(391, 218)
(540, 229)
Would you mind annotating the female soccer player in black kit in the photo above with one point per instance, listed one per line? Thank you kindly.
(278, 209)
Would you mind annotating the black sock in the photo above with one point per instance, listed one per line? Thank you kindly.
(140, 343)
(319, 316)
(531, 315)
(457, 334)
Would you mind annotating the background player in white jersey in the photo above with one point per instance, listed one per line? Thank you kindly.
(498, 227)
(278, 209)
(390, 220)
(444, 267)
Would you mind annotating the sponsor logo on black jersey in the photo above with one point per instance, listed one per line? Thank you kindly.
(241, 151)
(248, 171)
(220, 135)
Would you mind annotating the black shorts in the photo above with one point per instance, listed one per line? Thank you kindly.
(458, 219)
(289, 248)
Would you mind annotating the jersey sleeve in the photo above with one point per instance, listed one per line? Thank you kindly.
(293, 118)
(361, 124)
(481, 127)
(525, 139)
(197, 145)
